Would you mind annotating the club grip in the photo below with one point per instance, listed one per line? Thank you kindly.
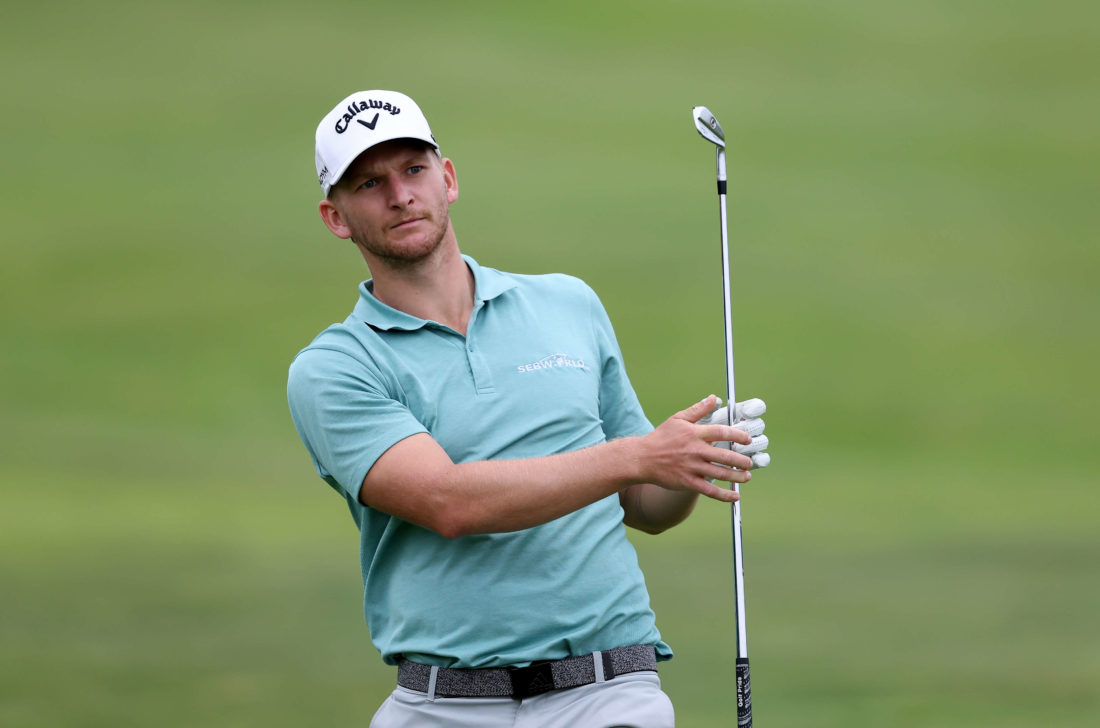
(744, 694)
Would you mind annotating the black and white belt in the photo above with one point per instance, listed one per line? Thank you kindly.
(523, 682)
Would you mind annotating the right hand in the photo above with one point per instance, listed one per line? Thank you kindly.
(679, 454)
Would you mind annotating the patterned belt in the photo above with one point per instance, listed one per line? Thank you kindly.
(523, 682)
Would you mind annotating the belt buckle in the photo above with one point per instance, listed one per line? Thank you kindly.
(535, 679)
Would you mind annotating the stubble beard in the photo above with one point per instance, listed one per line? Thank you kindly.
(406, 253)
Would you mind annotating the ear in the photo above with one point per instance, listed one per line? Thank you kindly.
(334, 220)
(450, 179)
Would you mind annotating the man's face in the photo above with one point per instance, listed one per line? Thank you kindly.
(394, 202)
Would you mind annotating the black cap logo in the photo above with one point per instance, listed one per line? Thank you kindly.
(357, 107)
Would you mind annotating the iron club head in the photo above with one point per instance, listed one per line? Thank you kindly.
(708, 127)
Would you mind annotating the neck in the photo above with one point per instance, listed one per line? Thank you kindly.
(439, 288)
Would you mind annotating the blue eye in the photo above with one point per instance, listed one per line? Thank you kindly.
(369, 184)
(415, 169)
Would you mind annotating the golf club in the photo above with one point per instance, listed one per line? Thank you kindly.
(708, 127)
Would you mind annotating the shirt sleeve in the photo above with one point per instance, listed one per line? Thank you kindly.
(620, 409)
(345, 415)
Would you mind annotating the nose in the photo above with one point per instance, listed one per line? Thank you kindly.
(400, 195)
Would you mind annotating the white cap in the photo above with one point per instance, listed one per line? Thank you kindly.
(358, 123)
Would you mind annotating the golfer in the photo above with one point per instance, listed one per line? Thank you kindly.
(490, 447)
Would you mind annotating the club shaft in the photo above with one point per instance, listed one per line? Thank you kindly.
(727, 308)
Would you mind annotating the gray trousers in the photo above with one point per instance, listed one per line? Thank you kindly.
(633, 700)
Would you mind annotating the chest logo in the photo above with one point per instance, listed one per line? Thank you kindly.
(553, 361)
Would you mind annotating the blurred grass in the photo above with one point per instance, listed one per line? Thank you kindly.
(912, 194)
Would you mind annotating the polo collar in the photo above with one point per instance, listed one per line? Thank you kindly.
(488, 284)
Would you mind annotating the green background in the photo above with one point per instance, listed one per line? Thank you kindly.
(913, 194)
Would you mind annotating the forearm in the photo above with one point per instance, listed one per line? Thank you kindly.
(495, 496)
(416, 481)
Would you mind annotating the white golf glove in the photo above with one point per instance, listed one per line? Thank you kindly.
(747, 417)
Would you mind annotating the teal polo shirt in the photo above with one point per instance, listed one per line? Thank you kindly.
(539, 372)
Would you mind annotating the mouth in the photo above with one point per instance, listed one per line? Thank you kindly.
(406, 223)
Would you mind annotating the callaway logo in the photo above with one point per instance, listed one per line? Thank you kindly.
(356, 107)
(552, 361)
(321, 177)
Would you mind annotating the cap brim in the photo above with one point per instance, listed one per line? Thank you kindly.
(339, 174)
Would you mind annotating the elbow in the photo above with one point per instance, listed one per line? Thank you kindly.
(431, 510)
(654, 526)
(646, 527)
(450, 509)
(451, 528)
(453, 520)
(639, 523)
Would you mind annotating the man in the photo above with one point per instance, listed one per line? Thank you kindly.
(489, 445)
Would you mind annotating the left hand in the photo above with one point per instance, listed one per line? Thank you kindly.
(746, 417)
